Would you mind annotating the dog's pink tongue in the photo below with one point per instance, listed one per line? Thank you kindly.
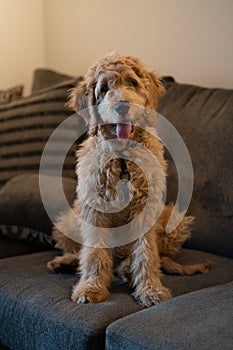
(123, 131)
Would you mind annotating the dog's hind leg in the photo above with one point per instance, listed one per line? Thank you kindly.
(170, 266)
(66, 227)
(66, 233)
(67, 263)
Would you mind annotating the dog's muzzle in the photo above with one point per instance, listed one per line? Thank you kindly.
(122, 108)
(123, 130)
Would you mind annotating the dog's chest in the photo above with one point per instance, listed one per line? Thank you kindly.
(117, 181)
(101, 188)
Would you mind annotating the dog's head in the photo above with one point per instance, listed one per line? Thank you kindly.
(120, 94)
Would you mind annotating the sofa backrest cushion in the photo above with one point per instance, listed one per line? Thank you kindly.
(46, 78)
(204, 119)
(23, 215)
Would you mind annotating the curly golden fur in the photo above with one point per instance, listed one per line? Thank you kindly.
(115, 89)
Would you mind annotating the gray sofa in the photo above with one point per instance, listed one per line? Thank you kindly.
(36, 312)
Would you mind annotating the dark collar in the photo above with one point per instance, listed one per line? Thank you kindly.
(124, 175)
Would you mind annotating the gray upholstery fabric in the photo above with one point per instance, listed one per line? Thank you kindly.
(203, 117)
(198, 320)
(22, 213)
(11, 247)
(37, 314)
(45, 78)
(221, 272)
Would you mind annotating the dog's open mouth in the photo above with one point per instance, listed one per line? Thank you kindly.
(123, 131)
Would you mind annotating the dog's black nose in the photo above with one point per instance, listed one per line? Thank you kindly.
(122, 108)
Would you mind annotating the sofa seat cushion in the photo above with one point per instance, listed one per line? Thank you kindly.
(197, 320)
(37, 313)
(221, 272)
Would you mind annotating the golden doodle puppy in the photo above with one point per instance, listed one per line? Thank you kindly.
(111, 229)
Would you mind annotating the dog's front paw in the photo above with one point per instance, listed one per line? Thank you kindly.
(87, 293)
(151, 296)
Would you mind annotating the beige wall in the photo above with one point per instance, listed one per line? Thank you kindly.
(189, 39)
(22, 41)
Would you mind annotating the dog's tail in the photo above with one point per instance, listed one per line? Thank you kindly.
(170, 266)
(170, 243)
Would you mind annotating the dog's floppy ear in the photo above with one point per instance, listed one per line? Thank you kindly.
(78, 97)
(156, 90)
(82, 97)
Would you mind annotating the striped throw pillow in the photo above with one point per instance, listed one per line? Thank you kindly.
(26, 125)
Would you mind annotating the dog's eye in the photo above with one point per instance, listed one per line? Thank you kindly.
(104, 88)
(132, 83)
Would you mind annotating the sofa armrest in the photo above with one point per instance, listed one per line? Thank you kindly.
(201, 319)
